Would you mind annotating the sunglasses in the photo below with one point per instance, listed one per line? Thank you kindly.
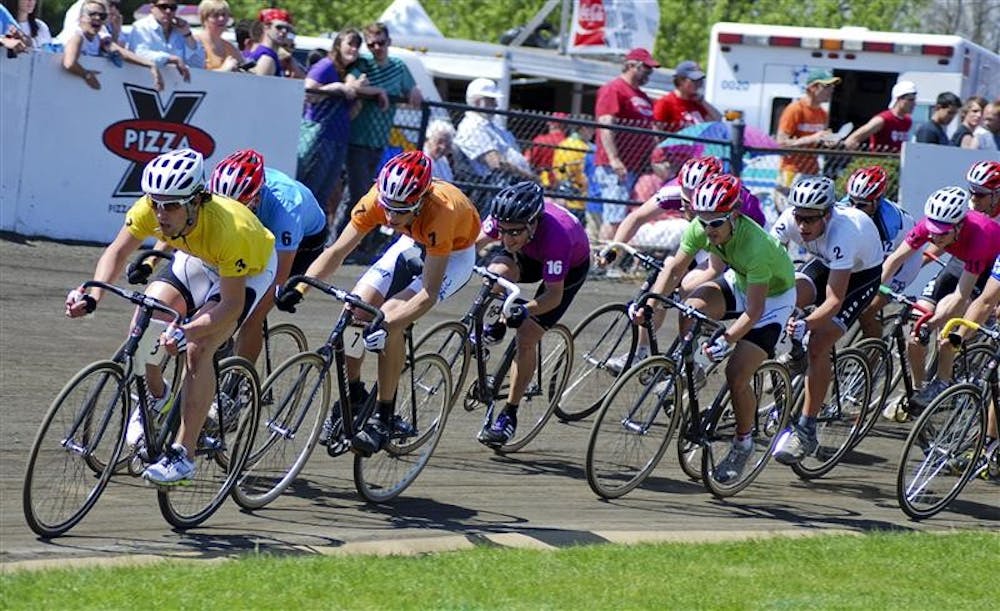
(714, 223)
(97, 15)
(933, 235)
(166, 7)
(807, 220)
(398, 210)
(978, 192)
(377, 43)
(513, 233)
(169, 205)
(860, 203)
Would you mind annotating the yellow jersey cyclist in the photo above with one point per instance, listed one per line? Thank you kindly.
(841, 280)
(541, 242)
(223, 265)
(439, 225)
(289, 210)
(757, 290)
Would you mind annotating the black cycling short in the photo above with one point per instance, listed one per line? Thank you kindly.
(861, 289)
(531, 271)
(766, 337)
(309, 249)
(947, 280)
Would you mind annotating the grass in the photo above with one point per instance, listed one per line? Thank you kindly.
(878, 571)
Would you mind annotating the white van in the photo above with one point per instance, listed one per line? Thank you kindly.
(759, 69)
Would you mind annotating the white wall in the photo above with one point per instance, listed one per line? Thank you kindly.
(71, 156)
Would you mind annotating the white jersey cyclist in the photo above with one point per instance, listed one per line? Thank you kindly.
(851, 241)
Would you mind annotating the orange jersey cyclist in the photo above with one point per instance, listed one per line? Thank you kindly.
(435, 217)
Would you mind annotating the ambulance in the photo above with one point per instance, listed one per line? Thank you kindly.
(760, 69)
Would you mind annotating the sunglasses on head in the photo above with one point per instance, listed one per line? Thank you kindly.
(714, 223)
(513, 233)
(166, 7)
(806, 219)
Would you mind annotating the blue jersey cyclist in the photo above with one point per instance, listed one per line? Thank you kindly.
(541, 242)
(288, 209)
(866, 191)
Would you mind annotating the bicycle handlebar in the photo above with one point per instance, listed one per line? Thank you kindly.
(954, 322)
(925, 312)
(686, 310)
(513, 291)
(339, 294)
(647, 260)
(138, 298)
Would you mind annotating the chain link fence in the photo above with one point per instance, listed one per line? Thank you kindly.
(486, 150)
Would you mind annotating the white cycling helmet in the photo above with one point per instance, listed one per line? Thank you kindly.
(812, 192)
(179, 174)
(948, 205)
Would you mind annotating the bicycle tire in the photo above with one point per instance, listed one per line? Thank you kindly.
(424, 394)
(283, 341)
(555, 349)
(59, 486)
(632, 429)
(221, 453)
(881, 363)
(843, 415)
(287, 432)
(950, 431)
(601, 335)
(772, 387)
(450, 340)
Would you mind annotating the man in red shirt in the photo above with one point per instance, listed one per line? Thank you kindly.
(685, 105)
(620, 155)
(544, 147)
(889, 129)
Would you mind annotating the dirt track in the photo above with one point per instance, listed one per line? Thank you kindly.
(466, 491)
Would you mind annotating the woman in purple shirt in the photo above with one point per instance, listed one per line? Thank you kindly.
(541, 242)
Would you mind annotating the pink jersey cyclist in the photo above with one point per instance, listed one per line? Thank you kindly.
(977, 245)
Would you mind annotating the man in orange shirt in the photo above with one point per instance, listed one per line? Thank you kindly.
(431, 214)
(804, 124)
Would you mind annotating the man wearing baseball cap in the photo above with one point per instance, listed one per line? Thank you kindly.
(685, 105)
(803, 123)
(888, 130)
(621, 156)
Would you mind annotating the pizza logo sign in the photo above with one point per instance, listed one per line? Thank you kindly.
(154, 129)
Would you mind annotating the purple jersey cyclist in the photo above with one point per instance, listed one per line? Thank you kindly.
(541, 242)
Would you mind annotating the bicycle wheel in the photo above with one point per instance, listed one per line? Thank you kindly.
(842, 415)
(689, 452)
(449, 340)
(772, 389)
(555, 358)
(282, 342)
(882, 373)
(633, 427)
(603, 334)
(222, 450)
(293, 407)
(422, 403)
(942, 451)
(87, 416)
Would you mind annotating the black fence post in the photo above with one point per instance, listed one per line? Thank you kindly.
(737, 150)
(425, 119)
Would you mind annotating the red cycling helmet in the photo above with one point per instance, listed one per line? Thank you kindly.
(720, 193)
(868, 183)
(695, 171)
(404, 179)
(984, 176)
(239, 176)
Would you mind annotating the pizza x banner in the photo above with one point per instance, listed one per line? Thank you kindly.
(154, 129)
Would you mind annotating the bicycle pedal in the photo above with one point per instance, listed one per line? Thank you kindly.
(337, 447)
